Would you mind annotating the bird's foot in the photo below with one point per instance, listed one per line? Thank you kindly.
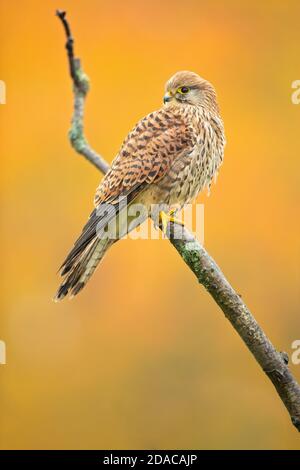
(165, 218)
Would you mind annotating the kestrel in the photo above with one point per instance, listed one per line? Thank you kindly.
(167, 159)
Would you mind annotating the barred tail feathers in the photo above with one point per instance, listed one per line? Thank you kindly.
(86, 254)
(83, 268)
(90, 248)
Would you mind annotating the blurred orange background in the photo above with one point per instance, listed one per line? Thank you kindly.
(143, 357)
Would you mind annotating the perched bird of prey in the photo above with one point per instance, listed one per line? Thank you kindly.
(167, 159)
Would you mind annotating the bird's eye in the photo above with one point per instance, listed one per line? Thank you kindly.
(183, 90)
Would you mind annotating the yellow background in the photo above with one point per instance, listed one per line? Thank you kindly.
(143, 357)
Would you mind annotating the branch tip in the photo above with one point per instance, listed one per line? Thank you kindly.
(61, 14)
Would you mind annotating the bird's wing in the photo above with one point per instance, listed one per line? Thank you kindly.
(146, 155)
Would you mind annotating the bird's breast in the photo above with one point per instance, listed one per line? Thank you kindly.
(194, 169)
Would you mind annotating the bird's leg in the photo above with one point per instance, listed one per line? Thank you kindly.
(165, 218)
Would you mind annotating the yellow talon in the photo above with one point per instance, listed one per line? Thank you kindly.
(165, 218)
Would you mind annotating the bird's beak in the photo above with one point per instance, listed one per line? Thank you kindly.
(168, 96)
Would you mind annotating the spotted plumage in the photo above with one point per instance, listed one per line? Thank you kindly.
(168, 158)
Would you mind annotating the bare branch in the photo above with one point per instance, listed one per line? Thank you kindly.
(80, 89)
(272, 362)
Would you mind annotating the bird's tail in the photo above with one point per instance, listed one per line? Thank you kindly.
(97, 236)
(86, 253)
(81, 269)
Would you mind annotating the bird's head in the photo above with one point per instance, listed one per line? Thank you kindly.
(188, 88)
